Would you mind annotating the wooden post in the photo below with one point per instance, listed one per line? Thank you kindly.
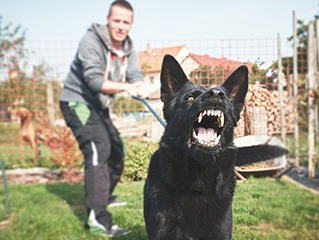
(281, 81)
(50, 102)
(317, 42)
(295, 90)
(35, 112)
(312, 65)
(257, 120)
(317, 77)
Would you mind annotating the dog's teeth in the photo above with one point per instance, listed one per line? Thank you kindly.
(209, 112)
(194, 134)
(204, 113)
(222, 120)
(200, 117)
(217, 139)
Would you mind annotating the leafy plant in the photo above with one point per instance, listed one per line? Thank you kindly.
(137, 159)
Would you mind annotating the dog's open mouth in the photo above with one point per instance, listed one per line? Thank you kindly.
(208, 127)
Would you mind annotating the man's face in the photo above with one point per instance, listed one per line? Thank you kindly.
(119, 23)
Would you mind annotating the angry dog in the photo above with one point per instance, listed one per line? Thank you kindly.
(190, 185)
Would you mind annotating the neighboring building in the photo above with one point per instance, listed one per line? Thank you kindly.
(151, 60)
(215, 63)
(151, 63)
(212, 70)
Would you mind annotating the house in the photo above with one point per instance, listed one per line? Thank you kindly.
(151, 60)
(151, 63)
(218, 62)
(219, 68)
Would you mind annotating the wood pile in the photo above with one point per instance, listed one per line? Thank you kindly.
(261, 114)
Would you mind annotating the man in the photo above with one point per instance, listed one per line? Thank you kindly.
(105, 64)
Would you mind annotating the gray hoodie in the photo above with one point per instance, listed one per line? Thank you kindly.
(95, 56)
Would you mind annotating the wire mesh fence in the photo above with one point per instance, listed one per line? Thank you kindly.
(31, 126)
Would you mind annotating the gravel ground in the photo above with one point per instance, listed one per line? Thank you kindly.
(301, 177)
(42, 176)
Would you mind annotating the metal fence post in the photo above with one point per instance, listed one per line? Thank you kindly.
(5, 187)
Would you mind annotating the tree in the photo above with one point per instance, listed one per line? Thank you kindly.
(16, 84)
(12, 60)
(302, 48)
(12, 50)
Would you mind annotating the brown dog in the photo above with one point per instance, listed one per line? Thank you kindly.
(27, 131)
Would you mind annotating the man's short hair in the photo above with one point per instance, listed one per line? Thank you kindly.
(121, 3)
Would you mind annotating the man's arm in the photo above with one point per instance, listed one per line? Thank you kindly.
(134, 89)
(110, 87)
(90, 56)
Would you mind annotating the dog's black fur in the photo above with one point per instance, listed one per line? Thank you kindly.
(190, 184)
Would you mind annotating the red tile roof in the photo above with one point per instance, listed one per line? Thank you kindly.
(205, 60)
(151, 59)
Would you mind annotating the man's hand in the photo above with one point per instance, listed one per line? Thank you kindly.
(138, 89)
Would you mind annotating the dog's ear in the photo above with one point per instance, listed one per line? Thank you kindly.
(236, 86)
(172, 78)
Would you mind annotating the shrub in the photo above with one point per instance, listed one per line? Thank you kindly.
(138, 155)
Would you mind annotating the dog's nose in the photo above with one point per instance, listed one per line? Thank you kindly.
(213, 93)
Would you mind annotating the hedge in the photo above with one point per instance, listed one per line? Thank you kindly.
(138, 155)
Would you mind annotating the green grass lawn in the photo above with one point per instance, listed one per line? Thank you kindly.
(263, 209)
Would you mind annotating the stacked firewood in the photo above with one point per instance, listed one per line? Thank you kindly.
(262, 110)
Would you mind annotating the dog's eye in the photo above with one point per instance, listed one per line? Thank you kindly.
(190, 98)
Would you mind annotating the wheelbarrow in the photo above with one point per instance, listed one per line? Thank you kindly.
(269, 168)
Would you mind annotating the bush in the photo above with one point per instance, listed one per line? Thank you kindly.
(138, 155)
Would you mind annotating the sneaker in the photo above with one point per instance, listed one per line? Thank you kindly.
(115, 202)
(112, 231)
(115, 230)
(98, 229)
(95, 229)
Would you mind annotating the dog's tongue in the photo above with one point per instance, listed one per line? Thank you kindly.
(207, 136)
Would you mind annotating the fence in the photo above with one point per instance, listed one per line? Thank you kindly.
(29, 93)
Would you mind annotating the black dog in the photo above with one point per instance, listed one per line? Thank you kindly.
(190, 185)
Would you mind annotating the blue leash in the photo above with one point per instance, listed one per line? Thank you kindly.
(146, 103)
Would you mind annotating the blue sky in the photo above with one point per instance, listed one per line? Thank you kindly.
(64, 22)
(161, 19)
